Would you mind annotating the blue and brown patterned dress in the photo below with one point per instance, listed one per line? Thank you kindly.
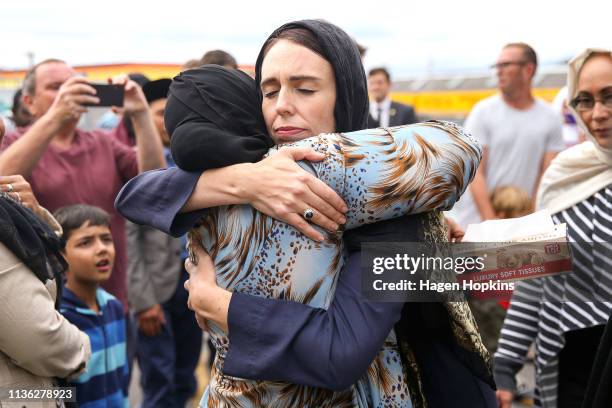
(381, 174)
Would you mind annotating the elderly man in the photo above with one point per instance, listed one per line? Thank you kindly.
(66, 165)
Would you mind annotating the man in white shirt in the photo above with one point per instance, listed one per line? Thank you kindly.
(520, 135)
(384, 112)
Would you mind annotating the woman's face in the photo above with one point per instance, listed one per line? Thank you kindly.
(595, 81)
(299, 92)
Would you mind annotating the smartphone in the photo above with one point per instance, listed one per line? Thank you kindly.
(109, 95)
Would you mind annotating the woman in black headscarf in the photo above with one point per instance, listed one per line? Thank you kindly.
(202, 101)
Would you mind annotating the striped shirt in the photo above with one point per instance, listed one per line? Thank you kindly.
(543, 310)
(105, 382)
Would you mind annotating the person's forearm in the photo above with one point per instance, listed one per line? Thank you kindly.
(150, 149)
(23, 155)
(280, 340)
(518, 333)
(156, 197)
(481, 197)
(546, 160)
(218, 187)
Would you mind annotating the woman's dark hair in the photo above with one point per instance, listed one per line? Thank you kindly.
(75, 216)
(299, 36)
(335, 46)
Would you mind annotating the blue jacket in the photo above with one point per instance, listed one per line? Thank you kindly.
(105, 383)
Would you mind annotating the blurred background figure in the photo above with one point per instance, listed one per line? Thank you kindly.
(507, 202)
(20, 115)
(219, 57)
(511, 202)
(520, 135)
(362, 50)
(571, 132)
(577, 190)
(215, 57)
(191, 64)
(111, 120)
(383, 111)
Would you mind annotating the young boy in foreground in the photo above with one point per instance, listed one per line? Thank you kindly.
(90, 253)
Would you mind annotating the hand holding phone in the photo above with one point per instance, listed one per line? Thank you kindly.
(109, 95)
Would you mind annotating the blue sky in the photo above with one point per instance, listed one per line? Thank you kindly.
(410, 37)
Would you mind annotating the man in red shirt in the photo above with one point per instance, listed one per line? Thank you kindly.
(66, 165)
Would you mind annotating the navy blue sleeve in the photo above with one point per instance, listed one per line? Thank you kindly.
(156, 197)
(279, 340)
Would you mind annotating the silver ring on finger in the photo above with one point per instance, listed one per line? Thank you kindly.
(308, 214)
(10, 188)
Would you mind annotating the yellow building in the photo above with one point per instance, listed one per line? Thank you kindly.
(450, 97)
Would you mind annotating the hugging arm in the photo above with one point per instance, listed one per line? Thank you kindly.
(288, 341)
(171, 200)
(220, 137)
(283, 340)
(387, 173)
(156, 197)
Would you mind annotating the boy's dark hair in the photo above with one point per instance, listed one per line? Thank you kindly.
(73, 217)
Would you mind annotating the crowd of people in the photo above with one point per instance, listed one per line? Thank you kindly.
(219, 203)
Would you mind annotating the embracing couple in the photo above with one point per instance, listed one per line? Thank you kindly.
(277, 232)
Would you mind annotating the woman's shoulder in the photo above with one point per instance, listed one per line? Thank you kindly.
(8, 260)
(15, 274)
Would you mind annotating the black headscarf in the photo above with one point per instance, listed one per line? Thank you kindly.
(32, 241)
(340, 50)
(214, 119)
(213, 114)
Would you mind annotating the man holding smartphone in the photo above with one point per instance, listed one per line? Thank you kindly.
(66, 165)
